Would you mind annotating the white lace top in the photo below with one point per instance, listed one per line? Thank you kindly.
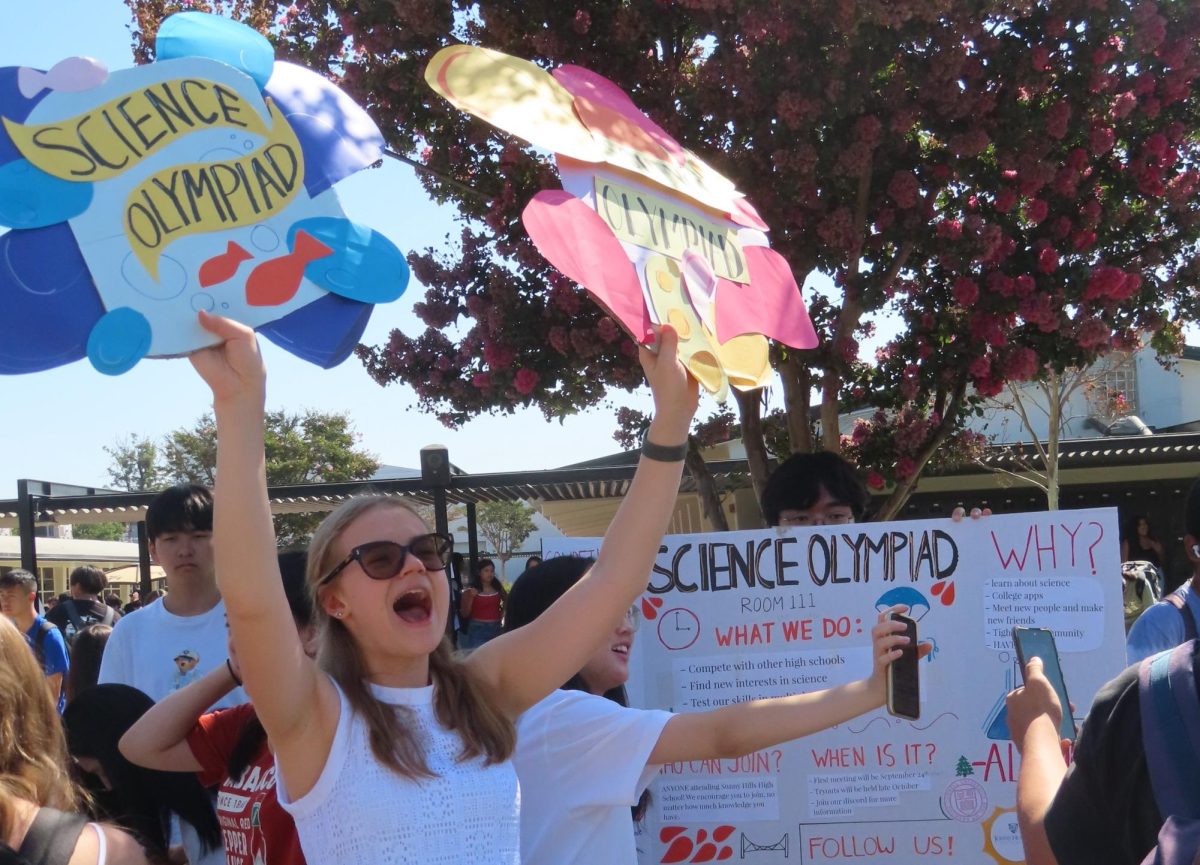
(361, 813)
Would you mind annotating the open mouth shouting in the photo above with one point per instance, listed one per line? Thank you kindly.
(414, 606)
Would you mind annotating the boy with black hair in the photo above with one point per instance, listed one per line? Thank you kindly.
(18, 599)
(1176, 618)
(188, 623)
(818, 489)
(84, 606)
(191, 619)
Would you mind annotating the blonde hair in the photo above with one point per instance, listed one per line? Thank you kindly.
(461, 702)
(33, 746)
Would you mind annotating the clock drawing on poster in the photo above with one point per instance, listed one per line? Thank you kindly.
(678, 629)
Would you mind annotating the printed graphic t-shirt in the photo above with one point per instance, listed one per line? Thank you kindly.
(255, 828)
(581, 760)
(158, 652)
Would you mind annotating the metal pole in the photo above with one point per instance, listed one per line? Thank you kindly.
(143, 560)
(472, 536)
(26, 523)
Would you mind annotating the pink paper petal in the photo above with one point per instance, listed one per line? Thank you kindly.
(584, 84)
(743, 213)
(771, 304)
(575, 239)
(701, 284)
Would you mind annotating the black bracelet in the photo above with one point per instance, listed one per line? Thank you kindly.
(664, 453)
(232, 674)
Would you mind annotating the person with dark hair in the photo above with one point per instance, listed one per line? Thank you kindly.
(39, 803)
(165, 645)
(1138, 543)
(1133, 766)
(817, 489)
(84, 606)
(135, 601)
(583, 760)
(482, 605)
(161, 646)
(532, 562)
(86, 654)
(229, 748)
(1176, 618)
(137, 799)
(18, 601)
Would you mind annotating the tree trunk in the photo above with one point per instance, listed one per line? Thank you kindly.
(750, 412)
(896, 501)
(797, 400)
(706, 487)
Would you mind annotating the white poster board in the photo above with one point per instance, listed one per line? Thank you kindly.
(735, 616)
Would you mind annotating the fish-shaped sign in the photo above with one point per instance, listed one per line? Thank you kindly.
(203, 180)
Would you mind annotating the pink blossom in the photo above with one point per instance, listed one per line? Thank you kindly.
(904, 189)
(1082, 240)
(1058, 118)
(525, 381)
(1021, 364)
(1048, 259)
(1092, 333)
(1123, 105)
(1006, 199)
(966, 291)
(1037, 210)
(1102, 140)
(1039, 58)
(875, 480)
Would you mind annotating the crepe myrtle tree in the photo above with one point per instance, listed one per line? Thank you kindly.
(1014, 183)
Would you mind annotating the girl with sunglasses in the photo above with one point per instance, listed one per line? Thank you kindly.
(584, 760)
(388, 750)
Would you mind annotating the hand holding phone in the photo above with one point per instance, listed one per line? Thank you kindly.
(903, 675)
(1039, 643)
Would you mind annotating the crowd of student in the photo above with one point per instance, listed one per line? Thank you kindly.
(307, 705)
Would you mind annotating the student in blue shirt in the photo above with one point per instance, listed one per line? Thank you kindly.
(18, 597)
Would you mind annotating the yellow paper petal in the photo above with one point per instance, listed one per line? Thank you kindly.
(747, 361)
(698, 351)
(514, 95)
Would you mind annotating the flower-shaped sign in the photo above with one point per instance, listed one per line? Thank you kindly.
(201, 181)
(652, 232)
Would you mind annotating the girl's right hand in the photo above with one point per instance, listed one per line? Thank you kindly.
(676, 393)
(234, 369)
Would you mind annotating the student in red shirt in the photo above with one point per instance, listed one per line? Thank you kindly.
(228, 747)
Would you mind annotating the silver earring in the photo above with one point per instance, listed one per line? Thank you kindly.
(339, 614)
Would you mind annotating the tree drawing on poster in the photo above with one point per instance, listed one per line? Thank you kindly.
(737, 616)
(202, 181)
(650, 230)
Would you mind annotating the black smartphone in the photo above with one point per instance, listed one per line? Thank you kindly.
(1039, 643)
(903, 675)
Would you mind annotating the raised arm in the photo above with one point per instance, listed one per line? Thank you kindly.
(527, 664)
(278, 676)
(158, 740)
(1034, 715)
(742, 728)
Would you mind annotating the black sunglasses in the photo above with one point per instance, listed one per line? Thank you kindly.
(382, 560)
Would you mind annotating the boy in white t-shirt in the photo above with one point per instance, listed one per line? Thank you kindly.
(163, 646)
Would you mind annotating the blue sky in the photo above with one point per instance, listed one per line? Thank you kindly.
(58, 422)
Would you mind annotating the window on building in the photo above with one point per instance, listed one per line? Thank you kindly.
(1115, 392)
